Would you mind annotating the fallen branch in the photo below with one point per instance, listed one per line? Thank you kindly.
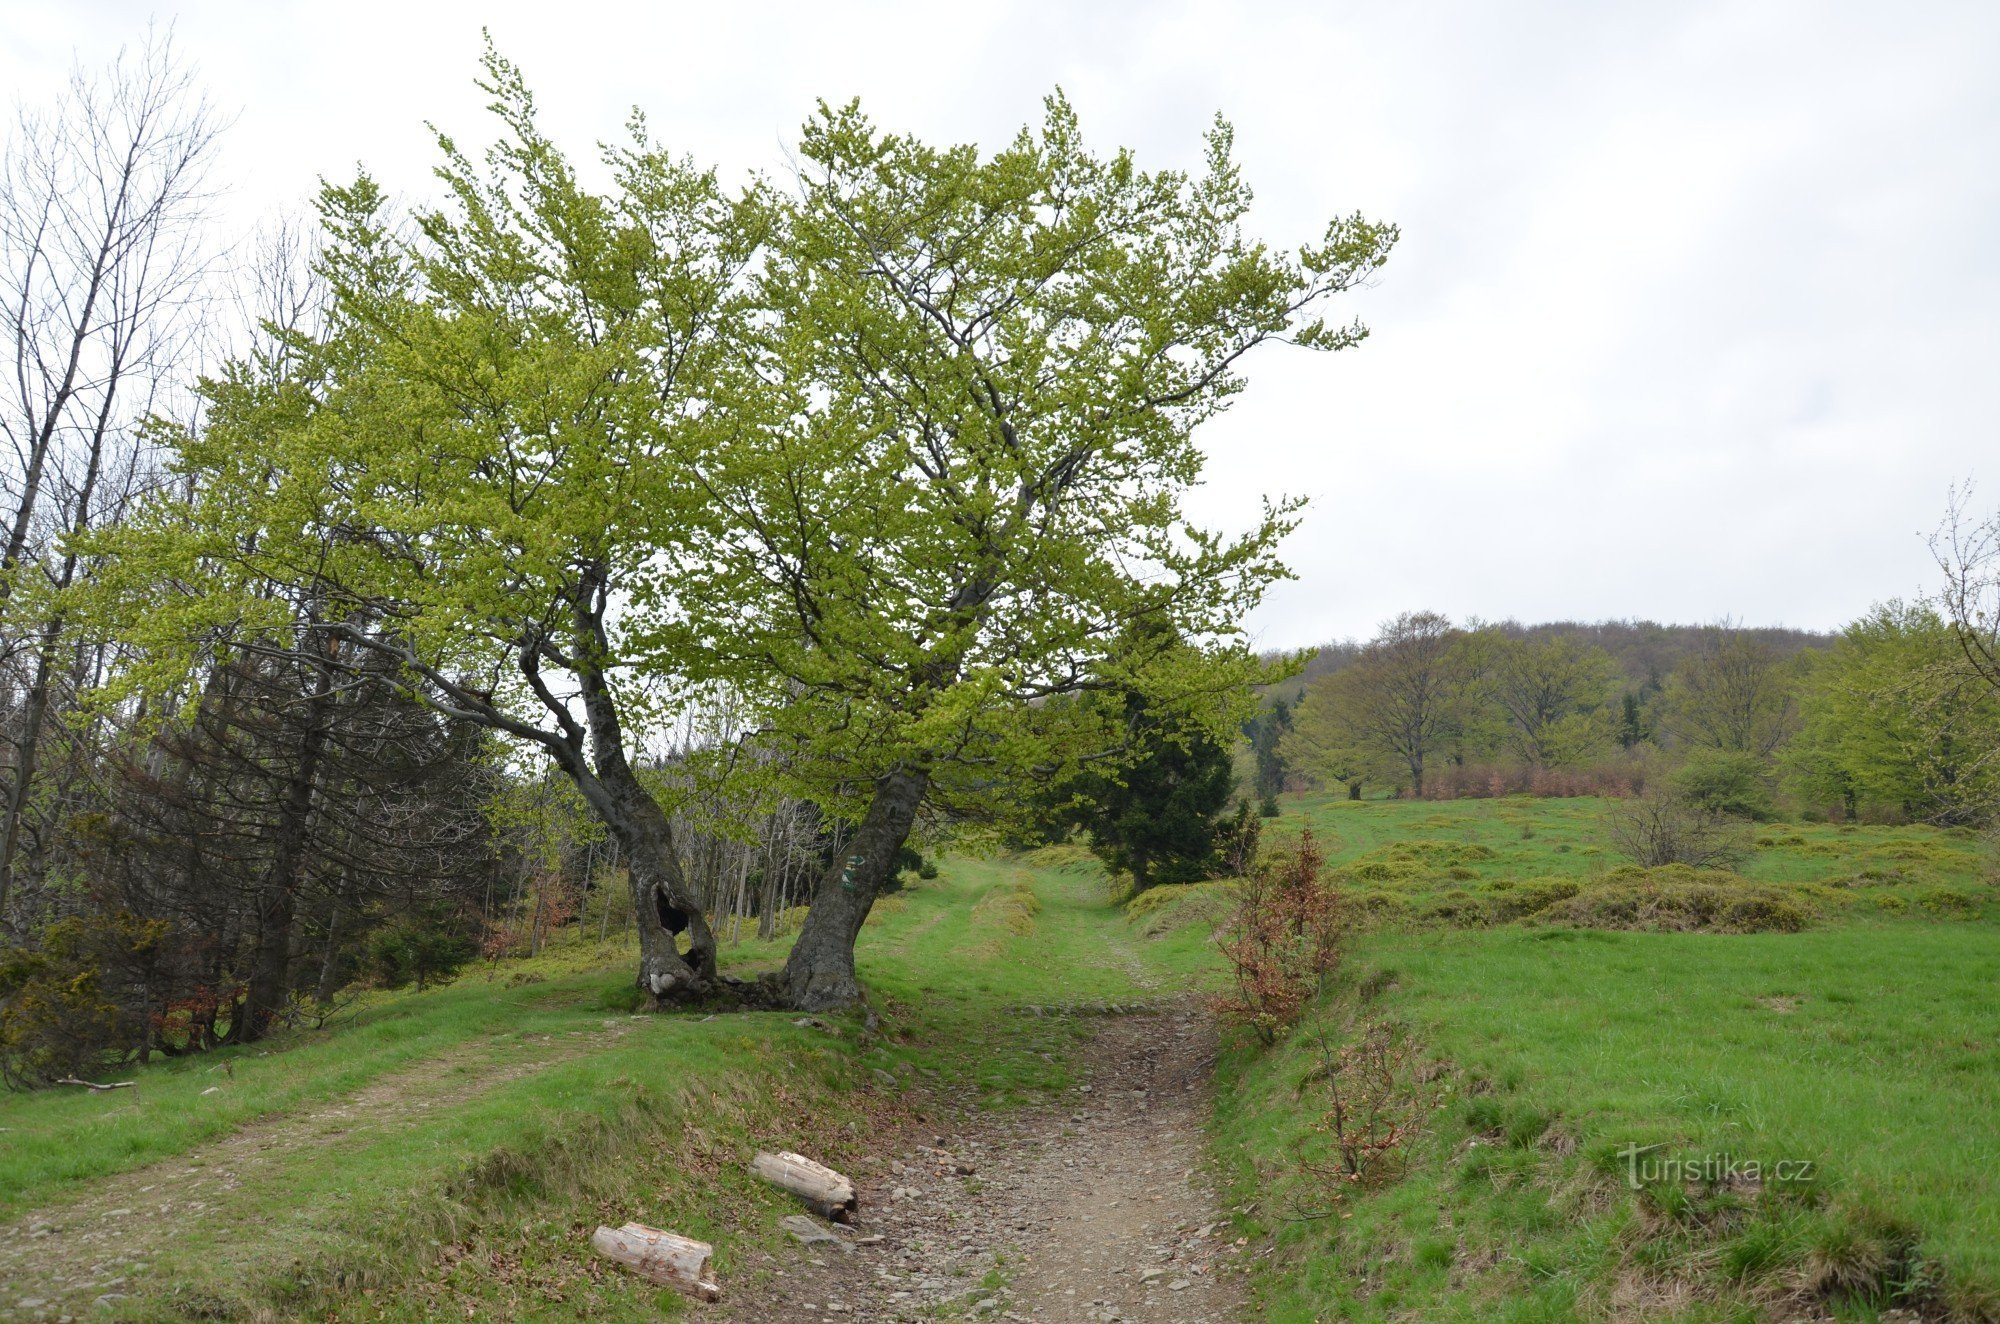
(93, 1085)
(666, 1258)
(823, 1190)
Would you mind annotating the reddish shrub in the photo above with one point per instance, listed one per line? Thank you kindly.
(1481, 781)
(1284, 942)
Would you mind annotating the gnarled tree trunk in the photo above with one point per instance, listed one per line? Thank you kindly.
(662, 906)
(819, 974)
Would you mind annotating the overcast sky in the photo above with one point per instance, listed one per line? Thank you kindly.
(1697, 309)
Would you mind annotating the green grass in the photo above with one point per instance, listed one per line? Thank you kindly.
(1868, 1045)
(1441, 863)
(514, 1110)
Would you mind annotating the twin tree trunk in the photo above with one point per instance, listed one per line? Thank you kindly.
(819, 974)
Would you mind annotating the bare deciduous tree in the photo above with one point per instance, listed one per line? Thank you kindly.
(1967, 549)
(1735, 694)
(102, 196)
(1400, 701)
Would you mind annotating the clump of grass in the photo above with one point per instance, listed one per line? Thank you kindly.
(1172, 906)
(1677, 899)
(1013, 907)
(1062, 857)
(1949, 903)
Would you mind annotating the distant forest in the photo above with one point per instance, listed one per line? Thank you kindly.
(1646, 651)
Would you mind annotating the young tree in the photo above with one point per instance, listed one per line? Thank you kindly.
(1155, 817)
(1734, 693)
(1967, 549)
(477, 476)
(1398, 705)
(991, 368)
(1267, 733)
(1553, 691)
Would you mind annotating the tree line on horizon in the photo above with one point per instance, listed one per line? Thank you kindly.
(1888, 719)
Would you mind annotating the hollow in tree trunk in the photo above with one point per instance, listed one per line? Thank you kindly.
(662, 906)
(819, 974)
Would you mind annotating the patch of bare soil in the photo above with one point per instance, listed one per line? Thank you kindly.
(1095, 1212)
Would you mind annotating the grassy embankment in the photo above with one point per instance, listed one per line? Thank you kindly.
(449, 1151)
(1866, 1043)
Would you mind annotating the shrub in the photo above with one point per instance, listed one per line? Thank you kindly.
(1680, 899)
(1236, 840)
(1285, 941)
(1377, 1100)
(1733, 784)
(425, 945)
(1659, 829)
(79, 1000)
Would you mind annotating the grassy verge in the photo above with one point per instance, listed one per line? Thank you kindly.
(449, 1152)
(1559, 1066)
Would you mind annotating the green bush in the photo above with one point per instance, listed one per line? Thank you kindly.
(1736, 784)
(424, 947)
(79, 999)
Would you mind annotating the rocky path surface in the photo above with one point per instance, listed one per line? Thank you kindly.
(1094, 1212)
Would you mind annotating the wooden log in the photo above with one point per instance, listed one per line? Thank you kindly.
(666, 1258)
(823, 1190)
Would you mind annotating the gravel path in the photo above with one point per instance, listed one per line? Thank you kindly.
(1095, 1212)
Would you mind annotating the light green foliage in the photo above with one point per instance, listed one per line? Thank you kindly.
(968, 499)
(1896, 722)
(479, 456)
(1555, 694)
(1733, 783)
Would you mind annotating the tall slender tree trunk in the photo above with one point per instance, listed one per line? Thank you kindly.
(277, 901)
(329, 963)
(27, 758)
(819, 974)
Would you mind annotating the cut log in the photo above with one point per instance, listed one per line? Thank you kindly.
(666, 1258)
(823, 1190)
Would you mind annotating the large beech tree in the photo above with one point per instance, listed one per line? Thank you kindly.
(894, 456)
(934, 557)
(477, 472)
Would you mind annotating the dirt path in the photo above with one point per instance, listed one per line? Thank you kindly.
(1093, 1213)
(94, 1247)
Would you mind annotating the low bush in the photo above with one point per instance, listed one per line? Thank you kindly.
(83, 998)
(1733, 784)
(1679, 899)
(1669, 828)
(1285, 941)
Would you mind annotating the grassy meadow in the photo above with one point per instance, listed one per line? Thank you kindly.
(1543, 1051)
